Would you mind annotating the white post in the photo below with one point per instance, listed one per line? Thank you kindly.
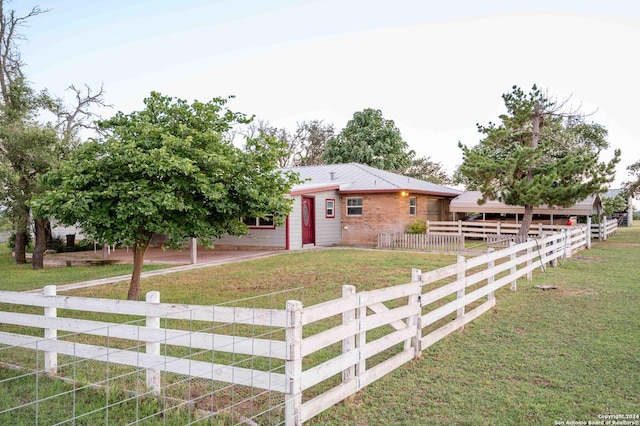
(193, 251)
(293, 364)
(153, 348)
(50, 358)
(460, 294)
(490, 265)
(348, 343)
(604, 228)
(361, 341)
(512, 257)
(530, 273)
(588, 232)
(460, 227)
(414, 321)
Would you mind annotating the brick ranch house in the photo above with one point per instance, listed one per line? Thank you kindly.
(346, 204)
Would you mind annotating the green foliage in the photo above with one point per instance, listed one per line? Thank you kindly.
(5, 221)
(611, 205)
(558, 168)
(369, 138)
(632, 187)
(11, 241)
(167, 169)
(417, 227)
(425, 169)
(57, 244)
(304, 146)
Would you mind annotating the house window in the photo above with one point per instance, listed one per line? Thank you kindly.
(413, 206)
(259, 222)
(330, 208)
(354, 206)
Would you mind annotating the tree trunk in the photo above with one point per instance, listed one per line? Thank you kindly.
(22, 228)
(37, 260)
(527, 218)
(528, 210)
(139, 250)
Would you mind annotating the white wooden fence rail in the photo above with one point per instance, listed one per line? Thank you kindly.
(377, 330)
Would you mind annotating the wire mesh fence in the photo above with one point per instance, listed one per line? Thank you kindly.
(220, 365)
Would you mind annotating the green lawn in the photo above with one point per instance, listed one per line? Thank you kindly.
(22, 277)
(538, 357)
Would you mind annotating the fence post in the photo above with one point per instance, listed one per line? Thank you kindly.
(460, 227)
(415, 321)
(349, 343)
(554, 251)
(604, 228)
(513, 257)
(499, 229)
(490, 265)
(530, 273)
(193, 251)
(50, 358)
(460, 294)
(293, 364)
(588, 232)
(565, 241)
(153, 348)
(361, 341)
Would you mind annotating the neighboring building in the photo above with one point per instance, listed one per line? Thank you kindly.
(347, 204)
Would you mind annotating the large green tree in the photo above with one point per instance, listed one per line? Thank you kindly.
(29, 144)
(167, 169)
(369, 138)
(16, 109)
(538, 155)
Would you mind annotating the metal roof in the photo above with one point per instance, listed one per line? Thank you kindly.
(354, 177)
(468, 203)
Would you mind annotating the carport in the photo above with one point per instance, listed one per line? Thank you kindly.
(467, 203)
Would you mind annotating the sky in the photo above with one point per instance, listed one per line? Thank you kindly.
(435, 68)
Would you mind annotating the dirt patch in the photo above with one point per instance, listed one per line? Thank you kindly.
(624, 244)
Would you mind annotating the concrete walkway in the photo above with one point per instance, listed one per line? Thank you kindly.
(230, 257)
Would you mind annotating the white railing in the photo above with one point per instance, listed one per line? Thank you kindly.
(604, 229)
(478, 229)
(441, 242)
(346, 343)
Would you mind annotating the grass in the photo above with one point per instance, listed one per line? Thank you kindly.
(22, 277)
(538, 357)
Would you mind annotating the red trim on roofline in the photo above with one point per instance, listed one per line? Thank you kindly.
(386, 191)
(312, 190)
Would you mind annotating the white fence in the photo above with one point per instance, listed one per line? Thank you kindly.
(604, 229)
(441, 242)
(345, 343)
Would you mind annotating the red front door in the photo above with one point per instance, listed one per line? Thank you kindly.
(308, 221)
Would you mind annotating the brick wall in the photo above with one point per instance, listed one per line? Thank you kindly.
(383, 212)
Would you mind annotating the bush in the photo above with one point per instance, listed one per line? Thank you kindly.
(57, 244)
(418, 227)
(82, 245)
